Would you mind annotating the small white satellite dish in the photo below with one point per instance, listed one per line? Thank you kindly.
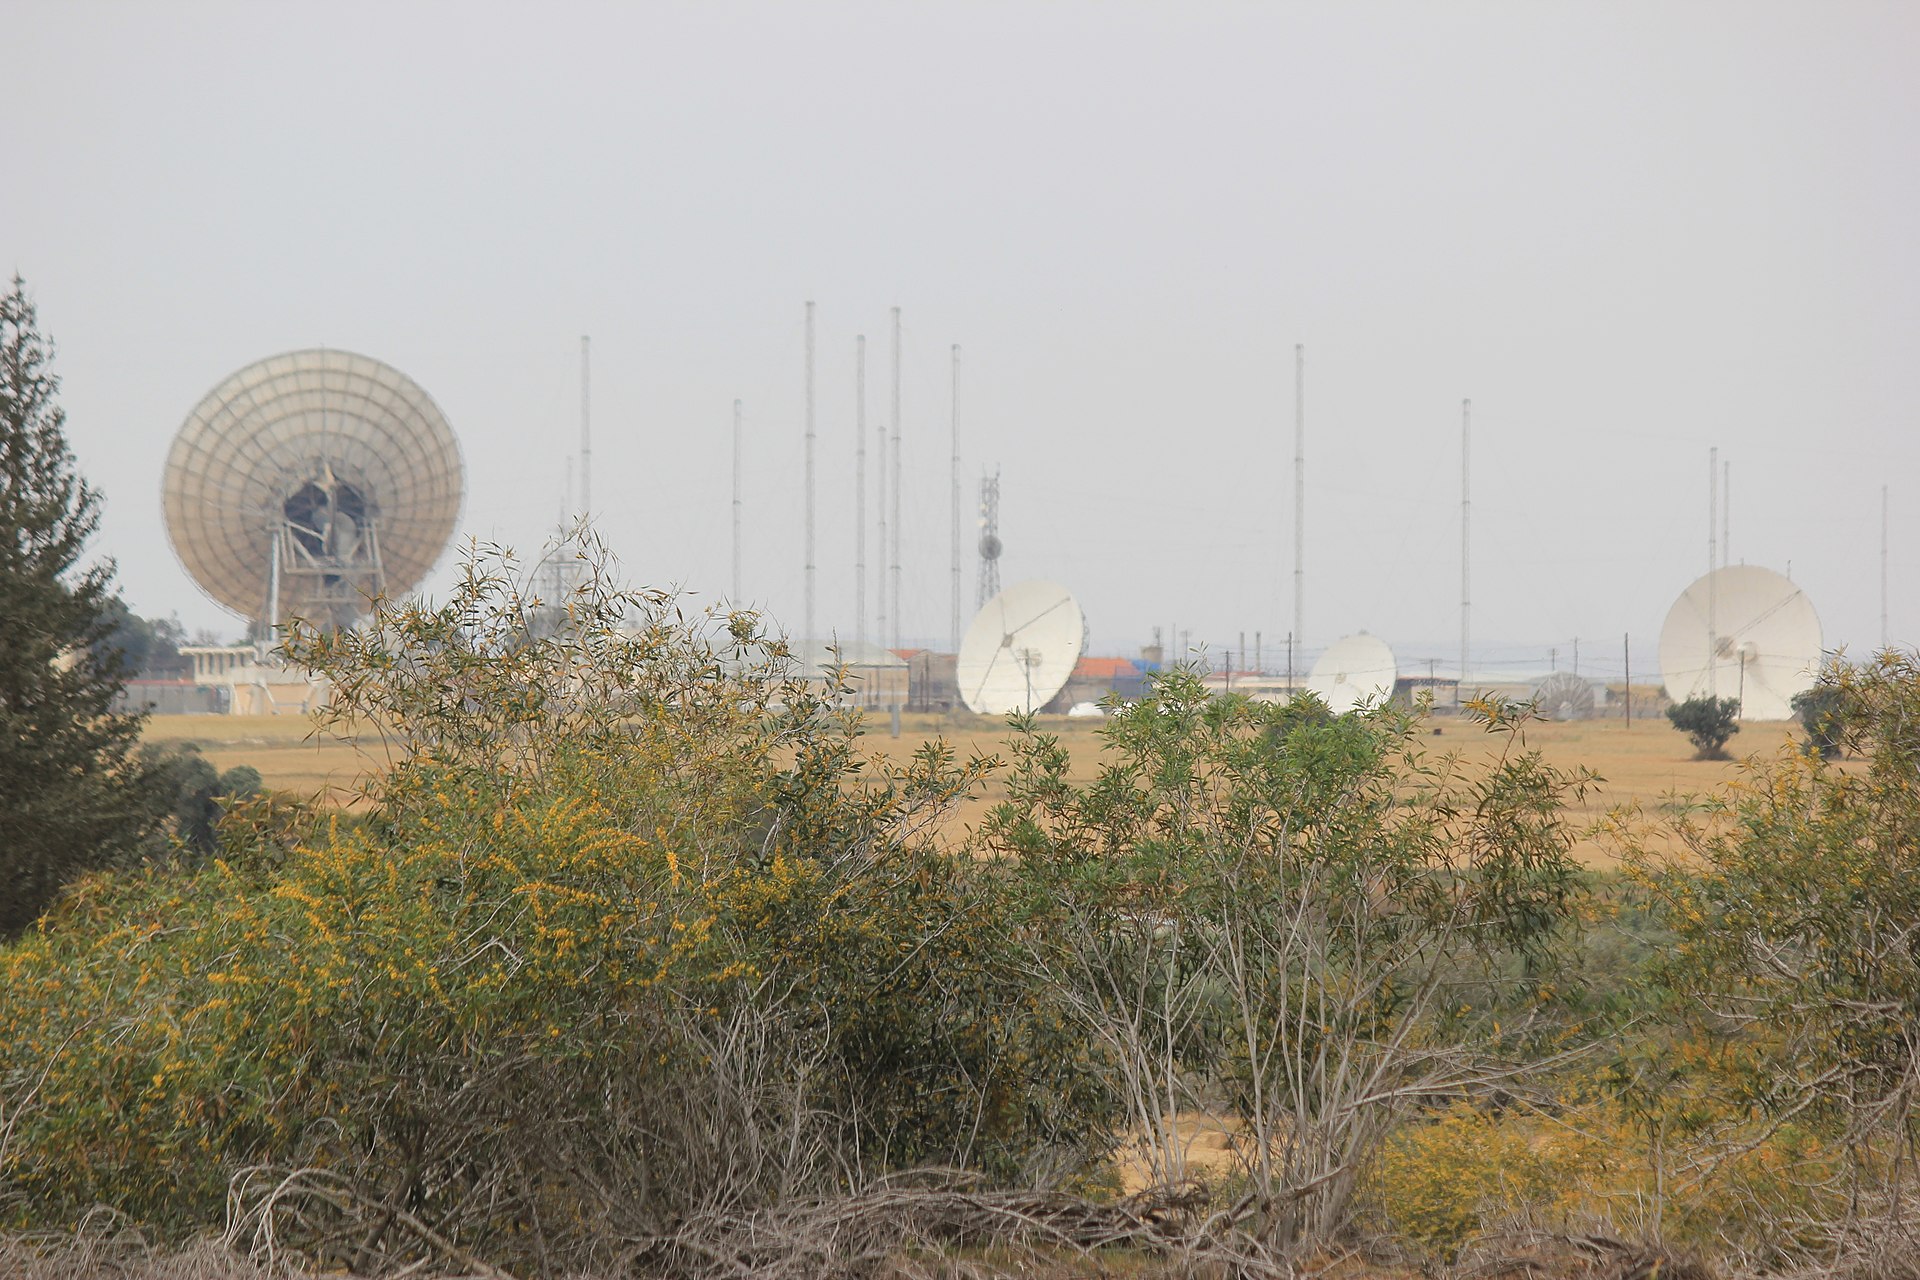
(1564, 696)
(1741, 632)
(1020, 649)
(1357, 668)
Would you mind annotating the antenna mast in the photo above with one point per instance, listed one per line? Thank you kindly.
(1883, 567)
(586, 431)
(1713, 583)
(809, 634)
(953, 484)
(736, 502)
(880, 550)
(1727, 505)
(860, 490)
(1299, 489)
(894, 568)
(989, 586)
(1466, 543)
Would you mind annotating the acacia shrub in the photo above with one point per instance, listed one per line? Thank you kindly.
(1302, 919)
(1794, 904)
(629, 934)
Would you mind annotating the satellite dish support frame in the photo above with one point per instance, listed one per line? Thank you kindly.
(340, 584)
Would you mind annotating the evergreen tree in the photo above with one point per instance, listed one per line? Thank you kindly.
(71, 795)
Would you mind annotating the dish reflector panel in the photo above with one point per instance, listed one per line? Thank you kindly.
(1358, 668)
(1741, 632)
(1020, 649)
(317, 476)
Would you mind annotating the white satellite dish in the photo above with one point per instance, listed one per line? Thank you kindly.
(1741, 632)
(1358, 668)
(1564, 696)
(1020, 649)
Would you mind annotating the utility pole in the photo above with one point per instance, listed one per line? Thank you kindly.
(1883, 568)
(1466, 541)
(1626, 663)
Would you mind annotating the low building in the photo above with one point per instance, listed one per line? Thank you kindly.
(250, 685)
(856, 675)
(170, 698)
(1257, 686)
(933, 682)
(1445, 690)
(1094, 679)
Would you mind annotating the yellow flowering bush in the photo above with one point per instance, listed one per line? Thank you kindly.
(628, 932)
(1590, 1164)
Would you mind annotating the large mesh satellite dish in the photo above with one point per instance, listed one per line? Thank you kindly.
(1564, 696)
(1020, 649)
(1357, 668)
(308, 482)
(1741, 632)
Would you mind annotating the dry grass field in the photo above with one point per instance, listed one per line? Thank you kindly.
(1646, 764)
(289, 752)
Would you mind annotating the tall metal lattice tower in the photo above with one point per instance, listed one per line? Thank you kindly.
(989, 538)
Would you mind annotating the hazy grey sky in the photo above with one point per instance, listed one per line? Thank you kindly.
(1627, 231)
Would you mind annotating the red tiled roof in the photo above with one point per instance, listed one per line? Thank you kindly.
(1103, 668)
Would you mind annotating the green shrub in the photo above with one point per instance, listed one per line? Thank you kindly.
(1303, 919)
(1708, 723)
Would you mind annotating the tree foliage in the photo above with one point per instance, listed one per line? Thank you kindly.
(192, 795)
(1822, 712)
(70, 793)
(1708, 723)
(150, 647)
